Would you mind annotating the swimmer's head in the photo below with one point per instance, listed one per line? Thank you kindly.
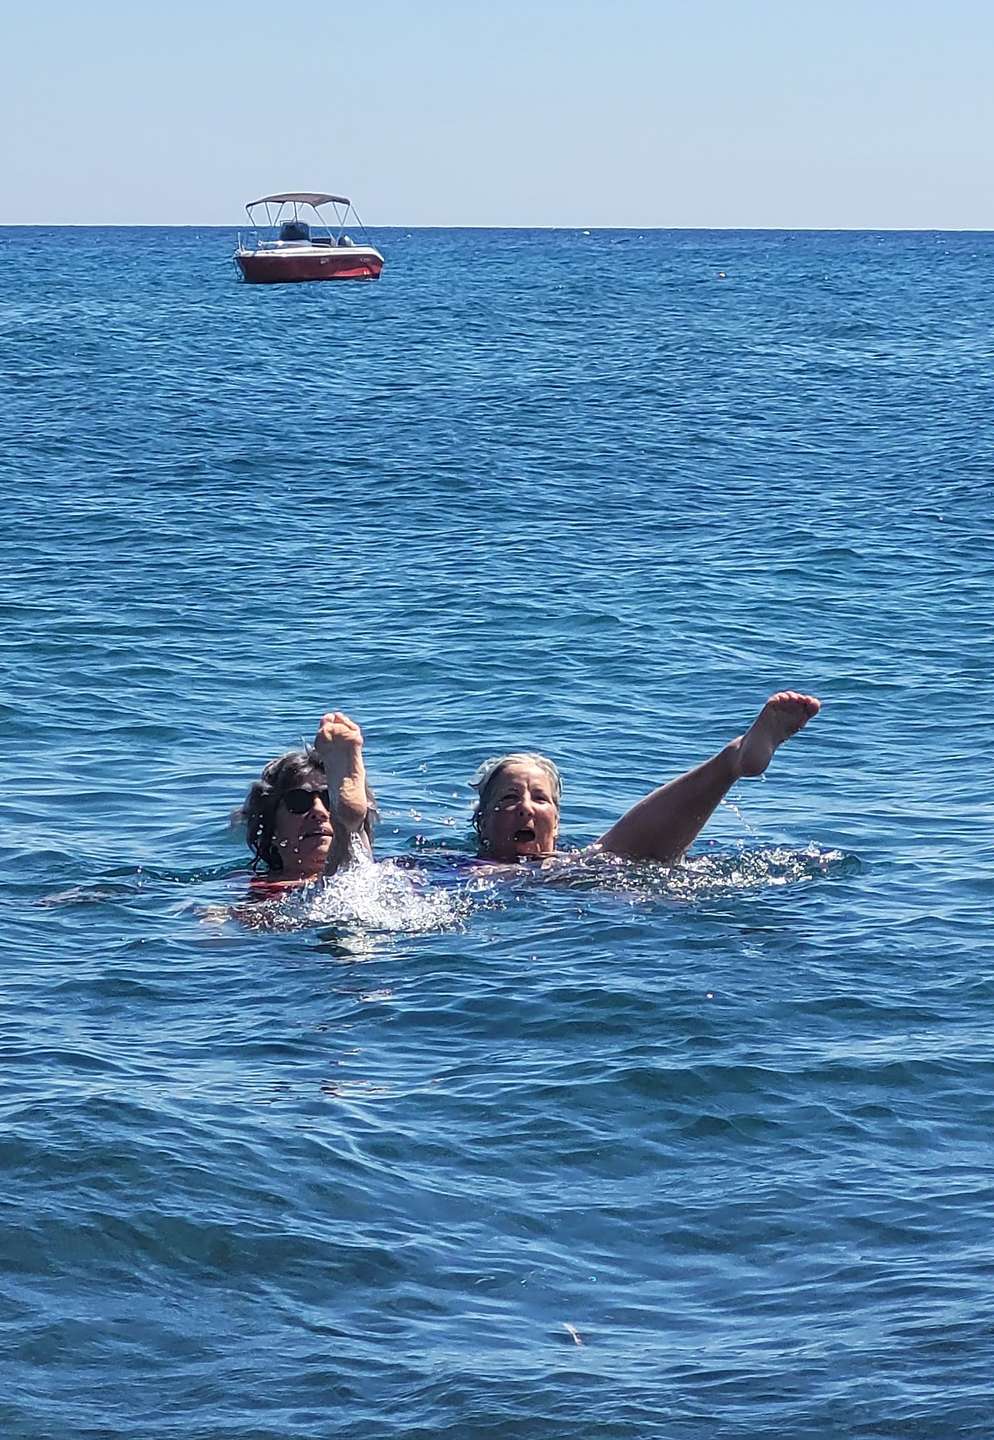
(517, 814)
(287, 816)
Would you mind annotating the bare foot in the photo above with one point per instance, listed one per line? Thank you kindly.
(781, 717)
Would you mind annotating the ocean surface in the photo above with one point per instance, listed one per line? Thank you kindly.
(624, 1152)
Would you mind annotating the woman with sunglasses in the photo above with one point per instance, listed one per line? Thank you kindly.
(301, 814)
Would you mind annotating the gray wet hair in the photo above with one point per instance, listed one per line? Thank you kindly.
(487, 774)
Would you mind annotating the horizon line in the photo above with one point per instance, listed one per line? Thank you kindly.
(709, 229)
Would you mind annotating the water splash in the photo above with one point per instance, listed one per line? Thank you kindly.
(746, 870)
(729, 804)
(768, 868)
(372, 897)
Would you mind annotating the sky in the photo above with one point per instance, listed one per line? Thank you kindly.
(823, 114)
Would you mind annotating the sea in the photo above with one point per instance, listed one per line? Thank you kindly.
(613, 1152)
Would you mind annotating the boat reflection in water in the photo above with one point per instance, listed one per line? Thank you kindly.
(291, 246)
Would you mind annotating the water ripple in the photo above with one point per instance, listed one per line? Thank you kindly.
(370, 1158)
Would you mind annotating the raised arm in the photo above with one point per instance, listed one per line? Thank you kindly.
(666, 822)
(338, 743)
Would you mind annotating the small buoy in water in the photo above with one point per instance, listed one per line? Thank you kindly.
(722, 275)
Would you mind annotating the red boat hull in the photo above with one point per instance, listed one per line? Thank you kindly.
(262, 268)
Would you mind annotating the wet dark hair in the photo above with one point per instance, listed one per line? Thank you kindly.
(258, 812)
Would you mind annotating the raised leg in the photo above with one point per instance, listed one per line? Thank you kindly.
(663, 824)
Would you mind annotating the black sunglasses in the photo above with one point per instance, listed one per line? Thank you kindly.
(301, 801)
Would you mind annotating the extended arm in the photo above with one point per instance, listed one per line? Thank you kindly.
(338, 743)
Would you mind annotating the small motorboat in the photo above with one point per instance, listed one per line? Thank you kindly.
(292, 246)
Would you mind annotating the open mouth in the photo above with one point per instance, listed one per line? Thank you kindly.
(524, 836)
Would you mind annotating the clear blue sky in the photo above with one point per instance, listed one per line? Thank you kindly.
(839, 114)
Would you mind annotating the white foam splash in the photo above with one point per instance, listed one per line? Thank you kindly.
(772, 867)
(374, 897)
(381, 897)
(699, 877)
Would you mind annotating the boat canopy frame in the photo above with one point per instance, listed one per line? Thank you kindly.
(278, 208)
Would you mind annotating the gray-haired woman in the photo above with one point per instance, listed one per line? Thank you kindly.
(517, 814)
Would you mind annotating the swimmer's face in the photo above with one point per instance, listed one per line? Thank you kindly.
(303, 831)
(521, 818)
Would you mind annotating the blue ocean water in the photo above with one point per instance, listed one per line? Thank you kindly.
(691, 1154)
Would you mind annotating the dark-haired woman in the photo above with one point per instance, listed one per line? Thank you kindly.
(302, 812)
